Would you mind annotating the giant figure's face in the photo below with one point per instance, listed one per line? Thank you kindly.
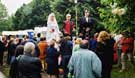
(52, 18)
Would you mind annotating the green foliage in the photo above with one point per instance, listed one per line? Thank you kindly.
(3, 12)
(31, 15)
(127, 74)
(4, 22)
(114, 22)
(36, 13)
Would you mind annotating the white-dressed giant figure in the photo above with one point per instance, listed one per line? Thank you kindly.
(53, 31)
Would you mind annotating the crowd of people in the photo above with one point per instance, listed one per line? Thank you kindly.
(90, 55)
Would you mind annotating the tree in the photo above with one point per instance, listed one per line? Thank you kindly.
(102, 11)
(4, 23)
(32, 15)
(36, 13)
(117, 15)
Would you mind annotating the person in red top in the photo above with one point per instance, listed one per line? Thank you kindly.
(127, 43)
(68, 25)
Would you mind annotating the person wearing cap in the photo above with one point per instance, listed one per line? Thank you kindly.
(85, 63)
(68, 25)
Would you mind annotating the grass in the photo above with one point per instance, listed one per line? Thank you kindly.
(5, 70)
(130, 73)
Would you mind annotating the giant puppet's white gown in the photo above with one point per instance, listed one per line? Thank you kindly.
(52, 25)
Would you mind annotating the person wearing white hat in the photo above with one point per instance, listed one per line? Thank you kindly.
(68, 25)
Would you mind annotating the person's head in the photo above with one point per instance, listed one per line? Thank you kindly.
(12, 39)
(17, 36)
(52, 43)
(87, 37)
(38, 35)
(68, 16)
(29, 48)
(42, 39)
(4, 38)
(26, 37)
(95, 35)
(19, 50)
(103, 36)
(52, 16)
(84, 44)
(125, 34)
(78, 41)
(17, 40)
(67, 38)
(87, 13)
(20, 40)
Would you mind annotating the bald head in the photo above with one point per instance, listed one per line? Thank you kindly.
(84, 44)
(29, 48)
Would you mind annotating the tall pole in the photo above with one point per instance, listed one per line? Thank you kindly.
(76, 17)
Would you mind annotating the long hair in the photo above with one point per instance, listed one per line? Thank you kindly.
(19, 50)
(103, 35)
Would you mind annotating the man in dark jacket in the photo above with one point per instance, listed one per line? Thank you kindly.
(2, 48)
(29, 66)
(86, 25)
(66, 49)
(11, 50)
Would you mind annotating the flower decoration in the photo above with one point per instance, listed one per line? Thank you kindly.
(118, 11)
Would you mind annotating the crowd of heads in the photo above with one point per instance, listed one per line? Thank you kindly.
(101, 37)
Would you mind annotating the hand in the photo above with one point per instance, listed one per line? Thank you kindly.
(69, 75)
(74, 29)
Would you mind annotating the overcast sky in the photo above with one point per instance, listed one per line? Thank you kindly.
(13, 5)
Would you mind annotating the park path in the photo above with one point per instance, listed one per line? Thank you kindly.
(1, 75)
